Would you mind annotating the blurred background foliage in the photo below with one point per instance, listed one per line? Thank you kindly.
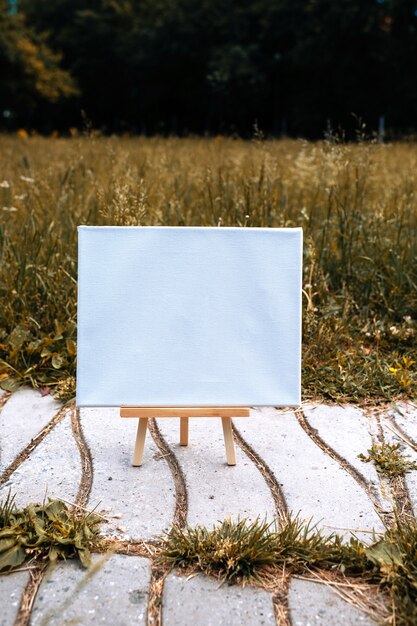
(209, 66)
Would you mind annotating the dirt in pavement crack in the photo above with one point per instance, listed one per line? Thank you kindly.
(86, 481)
(401, 497)
(156, 588)
(181, 496)
(268, 475)
(396, 428)
(25, 453)
(397, 484)
(370, 490)
(28, 596)
(280, 602)
(159, 573)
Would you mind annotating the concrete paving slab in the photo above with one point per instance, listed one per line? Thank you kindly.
(23, 416)
(200, 601)
(52, 469)
(142, 498)
(313, 483)
(11, 589)
(349, 433)
(312, 603)
(112, 591)
(215, 489)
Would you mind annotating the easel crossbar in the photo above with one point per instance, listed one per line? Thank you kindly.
(179, 411)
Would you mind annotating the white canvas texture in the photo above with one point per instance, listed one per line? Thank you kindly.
(173, 316)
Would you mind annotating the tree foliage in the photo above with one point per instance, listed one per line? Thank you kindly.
(220, 65)
(30, 70)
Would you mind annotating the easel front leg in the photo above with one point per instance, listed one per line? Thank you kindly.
(228, 440)
(183, 431)
(140, 441)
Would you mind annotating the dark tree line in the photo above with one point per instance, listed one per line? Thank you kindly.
(215, 66)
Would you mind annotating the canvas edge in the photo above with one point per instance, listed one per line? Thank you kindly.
(297, 230)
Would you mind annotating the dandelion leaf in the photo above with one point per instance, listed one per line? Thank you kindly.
(12, 557)
(384, 554)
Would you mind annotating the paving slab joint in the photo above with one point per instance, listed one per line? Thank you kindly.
(399, 432)
(29, 594)
(156, 589)
(181, 495)
(397, 484)
(274, 487)
(87, 468)
(280, 601)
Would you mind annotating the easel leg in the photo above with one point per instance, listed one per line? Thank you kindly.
(183, 431)
(140, 441)
(228, 440)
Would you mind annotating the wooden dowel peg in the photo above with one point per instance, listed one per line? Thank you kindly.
(183, 431)
(140, 441)
(228, 440)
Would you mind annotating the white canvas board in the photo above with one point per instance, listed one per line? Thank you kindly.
(189, 316)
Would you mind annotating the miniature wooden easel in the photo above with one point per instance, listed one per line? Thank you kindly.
(184, 413)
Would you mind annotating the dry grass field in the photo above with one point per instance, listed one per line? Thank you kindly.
(357, 204)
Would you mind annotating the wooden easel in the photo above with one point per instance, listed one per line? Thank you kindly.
(184, 413)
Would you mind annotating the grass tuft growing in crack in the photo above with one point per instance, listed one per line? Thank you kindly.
(231, 549)
(242, 549)
(45, 532)
(388, 459)
(246, 552)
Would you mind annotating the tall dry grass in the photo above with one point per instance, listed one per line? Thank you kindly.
(357, 205)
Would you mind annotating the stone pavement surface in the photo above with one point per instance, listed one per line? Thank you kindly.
(114, 592)
(201, 600)
(313, 603)
(11, 590)
(309, 456)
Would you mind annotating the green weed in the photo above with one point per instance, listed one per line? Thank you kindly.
(46, 532)
(388, 459)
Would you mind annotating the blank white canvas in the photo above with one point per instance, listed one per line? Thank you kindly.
(173, 316)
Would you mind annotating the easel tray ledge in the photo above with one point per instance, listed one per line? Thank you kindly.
(181, 411)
